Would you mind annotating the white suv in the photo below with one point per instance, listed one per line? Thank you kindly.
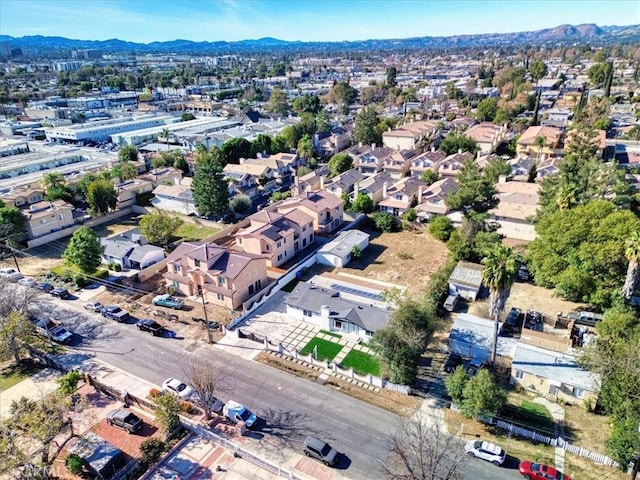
(486, 451)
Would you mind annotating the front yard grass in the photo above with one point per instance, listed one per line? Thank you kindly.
(192, 232)
(331, 334)
(326, 350)
(362, 363)
(14, 374)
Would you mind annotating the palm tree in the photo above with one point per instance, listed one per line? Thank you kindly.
(499, 273)
(52, 180)
(632, 252)
(165, 134)
(305, 147)
(540, 142)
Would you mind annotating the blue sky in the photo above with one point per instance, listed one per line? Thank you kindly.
(146, 21)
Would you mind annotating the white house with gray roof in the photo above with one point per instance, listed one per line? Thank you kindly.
(337, 253)
(325, 308)
(466, 280)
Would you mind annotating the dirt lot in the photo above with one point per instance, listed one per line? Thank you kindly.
(407, 258)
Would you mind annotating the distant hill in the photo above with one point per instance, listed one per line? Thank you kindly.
(561, 34)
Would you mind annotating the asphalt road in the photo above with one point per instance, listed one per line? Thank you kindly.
(291, 407)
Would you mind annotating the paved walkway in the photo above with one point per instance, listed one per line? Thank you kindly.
(34, 387)
(557, 412)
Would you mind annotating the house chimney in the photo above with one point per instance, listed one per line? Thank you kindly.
(359, 144)
(373, 147)
(356, 189)
(321, 182)
(433, 148)
(385, 186)
(176, 180)
(459, 151)
(420, 194)
(241, 160)
(325, 311)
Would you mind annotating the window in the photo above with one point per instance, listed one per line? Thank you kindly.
(221, 280)
(519, 374)
(250, 289)
(578, 392)
(279, 244)
(368, 333)
(304, 242)
(279, 257)
(197, 262)
(307, 313)
(553, 390)
(266, 247)
(176, 268)
(337, 324)
(220, 297)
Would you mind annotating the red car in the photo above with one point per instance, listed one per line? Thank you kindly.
(538, 471)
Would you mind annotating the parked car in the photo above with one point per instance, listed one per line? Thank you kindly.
(45, 287)
(486, 451)
(452, 362)
(28, 282)
(539, 471)
(60, 293)
(450, 303)
(114, 312)
(237, 412)
(12, 277)
(474, 367)
(321, 450)
(168, 301)
(124, 419)
(6, 271)
(93, 306)
(176, 387)
(523, 274)
(149, 325)
(54, 330)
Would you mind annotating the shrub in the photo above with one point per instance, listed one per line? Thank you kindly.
(240, 203)
(75, 464)
(151, 450)
(80, 280)
(383, 221)
(441, 228)
(69, 382)
(154, 392)
(410, 215)
(404, 256)
(185, 406)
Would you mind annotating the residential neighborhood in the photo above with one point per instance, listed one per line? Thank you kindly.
(318, 260)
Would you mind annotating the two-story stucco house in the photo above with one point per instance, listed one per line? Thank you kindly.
(401, 196)
(43, 218)
(344, 182)
(325, 209)
(275, 236)
(426, 161)
(225, 277)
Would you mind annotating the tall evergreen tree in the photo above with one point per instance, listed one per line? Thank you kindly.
(210, 190)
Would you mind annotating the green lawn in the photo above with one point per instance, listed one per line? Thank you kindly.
(326, 350)
(529, 414)
(191, 232)
(11, 375)
(362, 363)
(331, 334)
(536, 409)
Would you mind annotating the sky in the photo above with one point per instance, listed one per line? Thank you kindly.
(146, 21)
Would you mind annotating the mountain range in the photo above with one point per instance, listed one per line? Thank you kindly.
(563, 34)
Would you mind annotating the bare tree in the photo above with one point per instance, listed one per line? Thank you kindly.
(422, 450)
(207, 379)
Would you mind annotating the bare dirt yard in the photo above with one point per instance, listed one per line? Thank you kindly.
(406, 258)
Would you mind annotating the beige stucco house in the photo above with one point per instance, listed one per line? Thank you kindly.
(43, 218)
(325, 209)
(225, 277)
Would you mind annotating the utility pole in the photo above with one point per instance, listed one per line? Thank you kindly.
(206, 318)
(5, 230)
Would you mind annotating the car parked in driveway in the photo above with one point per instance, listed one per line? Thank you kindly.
(93, 306)
(149, 325)
(60, 293)
(178, 388)
(28, 282)
(168, 301)
(320, 450)
(474, 367)
(486, 451)
(539, 471)
(124, 419)
(45, 287)
(453, 360)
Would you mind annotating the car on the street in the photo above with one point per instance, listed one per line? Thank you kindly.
(236, 412)
(114, 312)
(45, 287)
(93, 306)
(453, 360)
(124, 419)
(59, 292)
(28, 282)
(320, 450)
(178, 388)
(149, 325)
(168, 301)
(486, 451)
(539, 471)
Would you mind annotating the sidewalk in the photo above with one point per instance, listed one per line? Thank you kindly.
(34, 387)
(557, 412)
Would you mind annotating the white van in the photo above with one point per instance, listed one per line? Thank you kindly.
(450, 303)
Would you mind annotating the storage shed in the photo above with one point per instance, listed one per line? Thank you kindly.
(103, 459)
(466, 280)
(337, 253)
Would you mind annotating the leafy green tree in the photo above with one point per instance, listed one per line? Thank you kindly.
(581, 252)
(383, 221)
(262, 144)
(498, 274)
(366, 124)
(158, 227)
(84, 250)
(632, 253)
(69, 382)
(11, 220)
(277, 102)
(454, 142)
(344, 94)
(455, 384)
(356, 252)
(487, 109)
(101, 196)
(305, 147)
(124, 171)
(362, 203)
(399, 358)
(441, 227)
(291, 135)
(429, 177)
(476, 192)
(392, 72)
(538, 69)
(482, 396)
(186, 116)
(15, 331)
(74, 464)
(323, 122)
(128, 153)
(340, 162)
(167, 408)
(279, 144)
(240, 204)
(306, 103)
(210, 190)
(495, 169)
(235, 149)
(181, 163)
(278, 196)
(151, 450)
